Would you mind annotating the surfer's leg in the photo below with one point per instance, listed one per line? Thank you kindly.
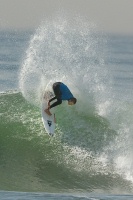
(58, 102)
(56, 89)
(48, 112)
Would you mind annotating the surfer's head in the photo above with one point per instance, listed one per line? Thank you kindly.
(72, 101)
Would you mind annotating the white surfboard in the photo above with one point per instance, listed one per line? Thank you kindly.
(48, 121)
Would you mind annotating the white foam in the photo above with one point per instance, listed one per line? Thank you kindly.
(59, 51)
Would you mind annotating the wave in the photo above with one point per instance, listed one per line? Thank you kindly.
(92, 147)
(74, 160)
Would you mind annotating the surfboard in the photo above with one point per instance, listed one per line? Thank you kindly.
(48, 121)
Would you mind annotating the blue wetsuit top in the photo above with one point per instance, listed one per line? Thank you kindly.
(65, 92)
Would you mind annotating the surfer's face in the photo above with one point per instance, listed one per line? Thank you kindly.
(70, 102)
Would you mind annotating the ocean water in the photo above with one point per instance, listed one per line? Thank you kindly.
(91, 154)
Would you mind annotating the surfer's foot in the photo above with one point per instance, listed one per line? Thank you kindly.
(48, 112)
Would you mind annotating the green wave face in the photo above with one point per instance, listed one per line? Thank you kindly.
(73, 160)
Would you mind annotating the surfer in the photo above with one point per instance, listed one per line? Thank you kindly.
(61, 92)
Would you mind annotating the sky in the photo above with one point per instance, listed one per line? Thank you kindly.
(113, 16)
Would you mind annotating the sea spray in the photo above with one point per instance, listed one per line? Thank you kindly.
(76, 55)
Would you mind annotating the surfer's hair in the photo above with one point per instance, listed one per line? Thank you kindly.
(74, 100)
